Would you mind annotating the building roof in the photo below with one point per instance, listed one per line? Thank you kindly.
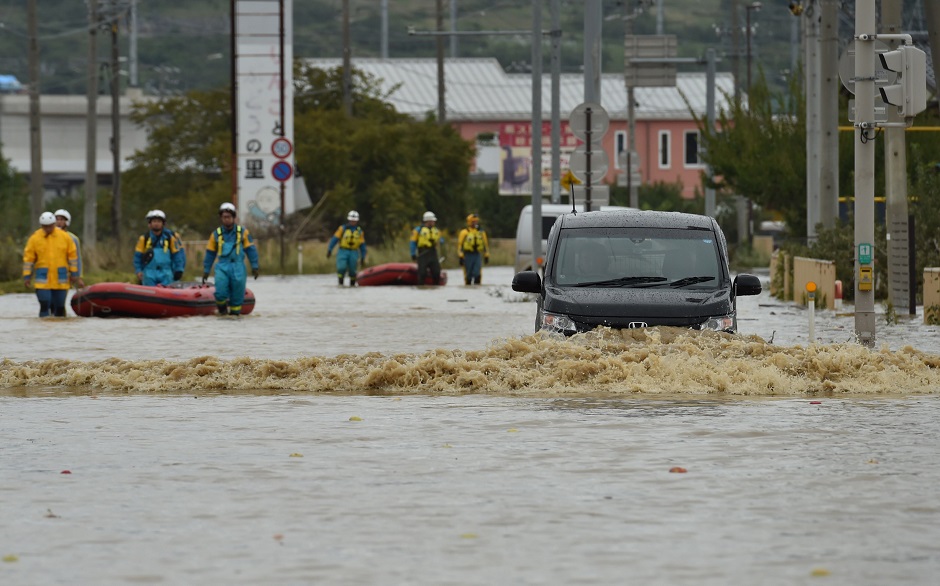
(479, 90)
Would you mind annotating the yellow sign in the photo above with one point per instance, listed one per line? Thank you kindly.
(569, 179)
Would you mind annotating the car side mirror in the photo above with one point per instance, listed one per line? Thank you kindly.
(529, 282)
(745, 284)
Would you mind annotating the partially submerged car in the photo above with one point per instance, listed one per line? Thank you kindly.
(636, 269)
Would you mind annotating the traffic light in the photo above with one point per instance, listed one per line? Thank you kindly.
(909, 94)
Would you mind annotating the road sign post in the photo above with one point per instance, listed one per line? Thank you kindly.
(589, 162)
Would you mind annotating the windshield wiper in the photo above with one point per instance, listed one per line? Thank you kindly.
(622, 282)
(690, 281)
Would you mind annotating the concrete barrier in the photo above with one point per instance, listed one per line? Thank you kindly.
(821, 272)
(932, 295)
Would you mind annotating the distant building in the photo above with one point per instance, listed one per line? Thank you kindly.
(494, 108)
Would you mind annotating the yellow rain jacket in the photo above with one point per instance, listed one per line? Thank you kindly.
(50, 259)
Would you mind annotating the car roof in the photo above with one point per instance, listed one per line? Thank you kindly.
(636, 219)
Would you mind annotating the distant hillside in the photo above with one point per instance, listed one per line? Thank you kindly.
(184, 45)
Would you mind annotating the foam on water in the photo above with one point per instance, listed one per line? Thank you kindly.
(603, 363)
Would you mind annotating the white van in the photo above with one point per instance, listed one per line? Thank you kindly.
(550, 213)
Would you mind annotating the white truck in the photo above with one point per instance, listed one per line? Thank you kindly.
(550, 213)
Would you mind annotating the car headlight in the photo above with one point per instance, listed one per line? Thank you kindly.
(555, 322)
(722, 323)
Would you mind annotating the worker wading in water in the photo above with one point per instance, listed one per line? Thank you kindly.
(230, 244)
(424, 241)
(473, 250)
(50, 264)
(352, 248)
(159, 257)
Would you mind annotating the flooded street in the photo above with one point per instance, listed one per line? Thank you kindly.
(425, 436)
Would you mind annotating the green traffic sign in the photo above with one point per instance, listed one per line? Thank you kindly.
(864, 254)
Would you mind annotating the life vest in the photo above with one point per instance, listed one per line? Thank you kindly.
(220, 240)
(148, 241)
(428, 237)
(352, 237)
(473, 241)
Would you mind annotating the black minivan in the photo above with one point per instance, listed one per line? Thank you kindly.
(636, 269)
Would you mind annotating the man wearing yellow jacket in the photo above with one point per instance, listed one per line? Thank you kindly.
(50, 264)
(473, 250)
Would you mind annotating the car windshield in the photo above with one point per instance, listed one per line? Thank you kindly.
(637, 257)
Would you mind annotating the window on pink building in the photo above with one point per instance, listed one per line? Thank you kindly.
(665, 159)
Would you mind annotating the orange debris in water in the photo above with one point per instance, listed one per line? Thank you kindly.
(678, 470)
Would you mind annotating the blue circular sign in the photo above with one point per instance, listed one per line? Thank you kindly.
(282, 171)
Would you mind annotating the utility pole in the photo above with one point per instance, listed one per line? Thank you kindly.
(556, 95)
(535, 173)
(441, 93)
(864, 171)
(901, 287)
(453, 29)
(132, 47)
(735, 50)
(383, 42)
(115, 126)
(90, 220)
(593, 17)
(35, 130)
(813, 123)
(633, 189)
(829, 113)
(711, 66)
(347, 62)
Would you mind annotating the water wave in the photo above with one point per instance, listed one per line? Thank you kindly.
(657, 361)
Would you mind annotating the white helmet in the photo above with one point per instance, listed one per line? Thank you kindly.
(429, 217)
(156, 214)
(46, 219)
(65, 214)
(352, 216)
(227, 207)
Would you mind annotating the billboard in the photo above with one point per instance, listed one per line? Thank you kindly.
(515, 165)
(265, 112)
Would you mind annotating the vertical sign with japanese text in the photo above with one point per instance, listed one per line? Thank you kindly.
(261, 92)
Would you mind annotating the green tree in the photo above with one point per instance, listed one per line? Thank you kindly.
(15, 223)
(758, 149)
(387, 166)
(186, 168)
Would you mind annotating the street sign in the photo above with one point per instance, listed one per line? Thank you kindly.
(883, 77)
(598, 159)
(578, 121)
(864, 253)
(569, 179)
(282, 171)
(649, 73)
(282, 148)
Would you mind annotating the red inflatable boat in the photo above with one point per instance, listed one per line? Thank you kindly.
(394, 273)
(128, 300)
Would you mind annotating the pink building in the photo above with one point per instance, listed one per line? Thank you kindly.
(494, 109)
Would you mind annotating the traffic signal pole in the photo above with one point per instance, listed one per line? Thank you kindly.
(864, 171)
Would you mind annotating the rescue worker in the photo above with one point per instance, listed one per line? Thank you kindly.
(424, 241)
(352, 248)
(230, 243)
(473, 249)
(63, 219)
(50, 264)
(159, 257)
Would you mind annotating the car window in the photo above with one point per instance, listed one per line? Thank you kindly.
(591, 255)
